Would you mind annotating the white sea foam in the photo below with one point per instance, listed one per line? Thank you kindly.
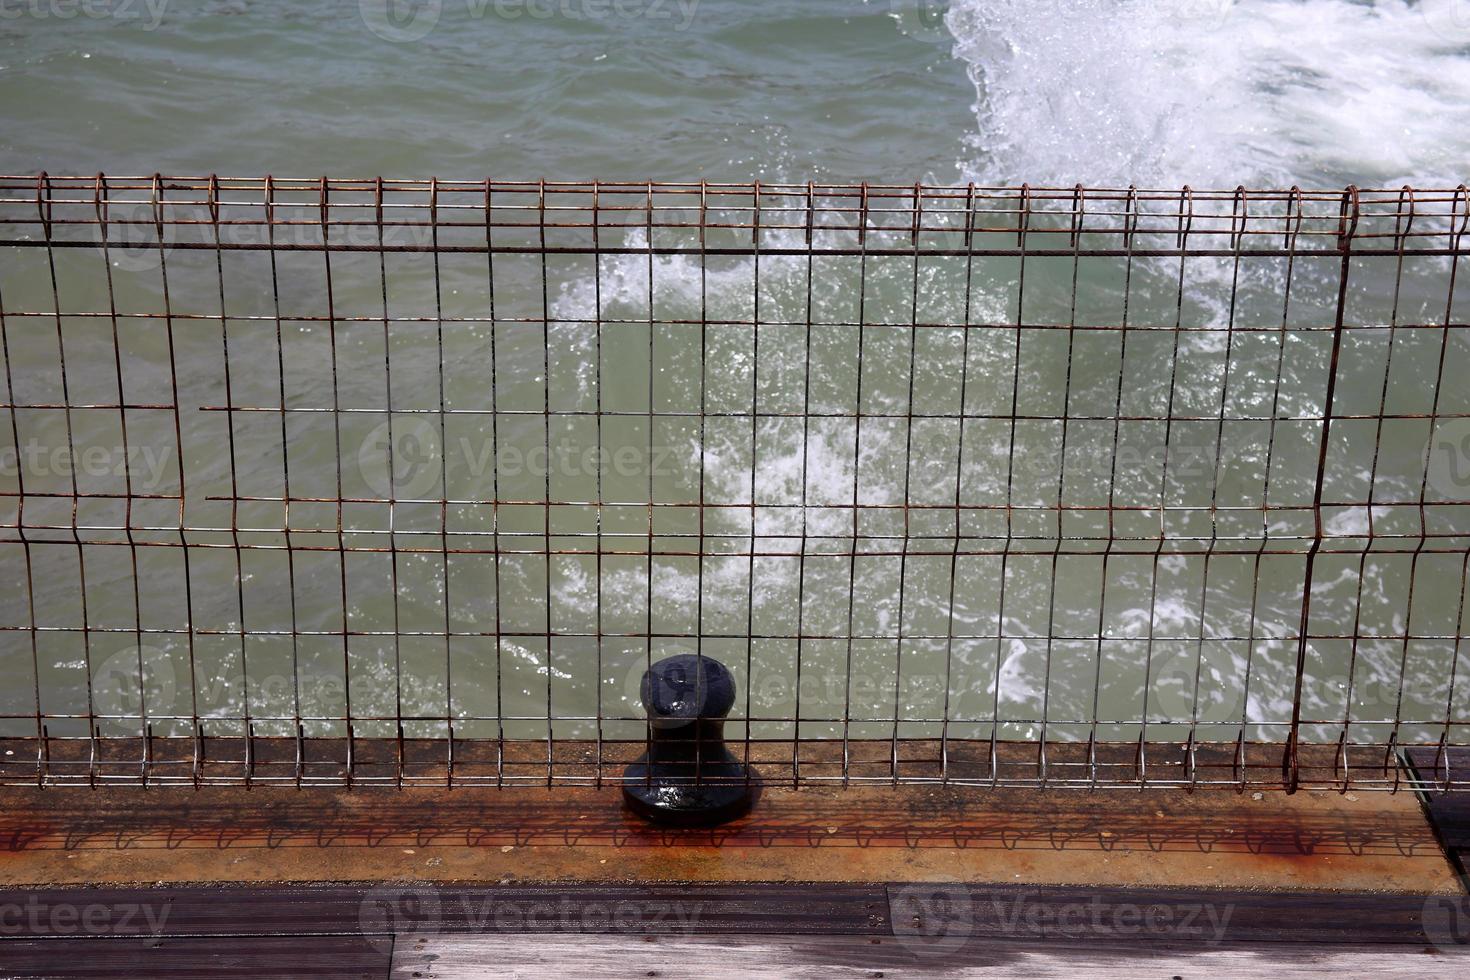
(1217, 92)
(1107, 92)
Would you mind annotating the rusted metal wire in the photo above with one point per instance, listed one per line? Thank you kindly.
(237, 358)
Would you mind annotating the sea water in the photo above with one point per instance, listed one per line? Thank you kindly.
(1207, 92)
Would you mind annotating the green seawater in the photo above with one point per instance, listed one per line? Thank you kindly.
(775, 91)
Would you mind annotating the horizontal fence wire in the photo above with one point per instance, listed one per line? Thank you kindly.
(336, 481)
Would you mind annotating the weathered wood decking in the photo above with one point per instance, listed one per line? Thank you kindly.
(847, 958)
(865, 882)
(787, 930)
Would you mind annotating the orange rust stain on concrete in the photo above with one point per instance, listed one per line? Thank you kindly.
(1375, 842)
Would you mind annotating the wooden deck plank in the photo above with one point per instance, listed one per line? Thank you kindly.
(423, 908)
(999, 911)
(827, 957)
(1171, 915)
(257, 958)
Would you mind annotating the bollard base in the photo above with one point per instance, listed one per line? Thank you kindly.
(729, 792)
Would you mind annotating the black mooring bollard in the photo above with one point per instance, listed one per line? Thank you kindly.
(688, 776)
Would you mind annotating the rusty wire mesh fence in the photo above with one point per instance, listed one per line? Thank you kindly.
(325, 481)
